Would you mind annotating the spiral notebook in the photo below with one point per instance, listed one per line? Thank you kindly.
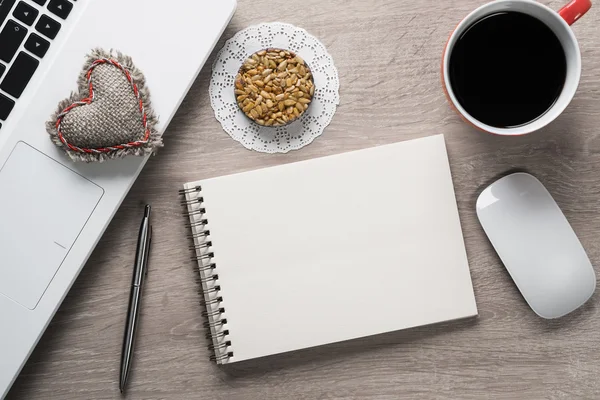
(329, 249)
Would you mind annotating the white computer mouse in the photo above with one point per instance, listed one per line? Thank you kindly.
(536, 244)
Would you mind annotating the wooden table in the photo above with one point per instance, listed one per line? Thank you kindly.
(388, 56)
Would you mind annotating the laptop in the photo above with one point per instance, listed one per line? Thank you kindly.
(53, 211)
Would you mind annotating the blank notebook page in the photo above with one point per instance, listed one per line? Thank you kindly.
(339, 247)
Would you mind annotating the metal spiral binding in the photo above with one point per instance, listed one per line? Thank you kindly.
(206, 256)
(209, 279)
(221, 334)
(222, 357)
(220, 346)
(208, 267)
(215, 324)
(201, 245)
(213, 301)
(211, 298)
(214, 313)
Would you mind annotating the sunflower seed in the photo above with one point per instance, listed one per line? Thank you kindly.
(282, 65)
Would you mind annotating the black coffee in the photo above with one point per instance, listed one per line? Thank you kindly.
(507, 69)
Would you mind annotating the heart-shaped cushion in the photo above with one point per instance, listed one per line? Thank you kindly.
(110, 115)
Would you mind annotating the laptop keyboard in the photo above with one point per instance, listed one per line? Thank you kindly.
(18, 64)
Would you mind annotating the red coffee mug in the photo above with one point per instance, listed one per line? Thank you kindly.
(559, 23)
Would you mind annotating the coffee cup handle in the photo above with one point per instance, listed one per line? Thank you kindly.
(575, 10)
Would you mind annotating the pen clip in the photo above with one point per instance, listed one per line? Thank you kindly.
(143, 250)
(148, 250)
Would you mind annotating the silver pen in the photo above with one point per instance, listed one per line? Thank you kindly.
(135, 298)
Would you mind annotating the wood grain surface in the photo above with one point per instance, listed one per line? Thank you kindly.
(388, 56)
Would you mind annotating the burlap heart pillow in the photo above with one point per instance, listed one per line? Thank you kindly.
(110, 115)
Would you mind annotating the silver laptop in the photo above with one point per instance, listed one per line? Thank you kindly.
(52, 210)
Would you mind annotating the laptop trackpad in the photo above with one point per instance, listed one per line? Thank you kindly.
(43, 208)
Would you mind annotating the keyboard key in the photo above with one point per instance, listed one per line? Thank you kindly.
(40, 2)
(25, 13)
(19, 74)
(37, 45)
(6, 106)
(2, 69)
(5, 7)
(62, 8)
(11, 38)
(47, 27)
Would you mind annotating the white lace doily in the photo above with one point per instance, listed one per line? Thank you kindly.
(270, 139)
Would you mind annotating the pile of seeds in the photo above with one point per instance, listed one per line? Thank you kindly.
(274, 87)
